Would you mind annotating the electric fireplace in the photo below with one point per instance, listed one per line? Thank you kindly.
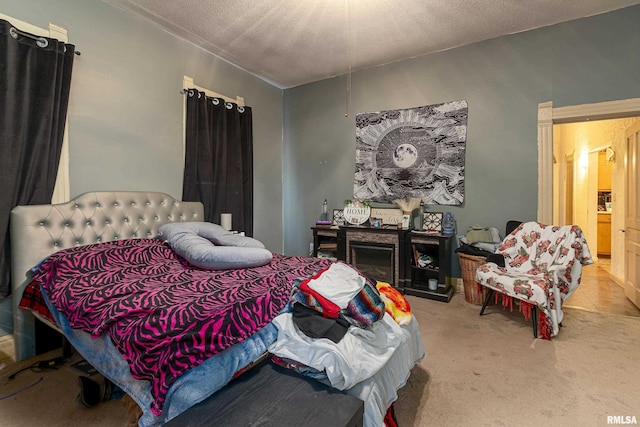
(376, 254)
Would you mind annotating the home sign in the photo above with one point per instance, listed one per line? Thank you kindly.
(356, 215)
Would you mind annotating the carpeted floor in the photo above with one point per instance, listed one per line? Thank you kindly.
(490, 371)
(479, 371)
(48, 398)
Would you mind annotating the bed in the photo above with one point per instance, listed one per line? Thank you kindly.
(127, 221)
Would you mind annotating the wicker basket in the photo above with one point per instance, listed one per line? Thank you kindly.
(469, 265)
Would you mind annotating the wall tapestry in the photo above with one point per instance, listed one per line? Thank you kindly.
(414, 152)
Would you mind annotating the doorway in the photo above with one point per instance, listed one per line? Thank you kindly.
(586, 176)
(585, 183)
(556, 205)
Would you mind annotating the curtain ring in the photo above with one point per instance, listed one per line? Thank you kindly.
(13, 32)
(191, 92)
(240, 109)
(199, 95)
(228, 105)
(42, 42)
(215, 101)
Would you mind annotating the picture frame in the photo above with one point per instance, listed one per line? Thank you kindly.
(338, 217)
(388, 216)
(432, 221)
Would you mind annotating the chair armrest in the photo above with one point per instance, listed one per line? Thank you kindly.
(496, 258)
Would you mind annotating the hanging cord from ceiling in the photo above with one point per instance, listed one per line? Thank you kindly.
(348, 91)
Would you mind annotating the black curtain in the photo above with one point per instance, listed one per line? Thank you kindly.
(35, 76)
(219, 159)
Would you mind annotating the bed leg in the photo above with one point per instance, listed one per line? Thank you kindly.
(67, 348)
(534, 320)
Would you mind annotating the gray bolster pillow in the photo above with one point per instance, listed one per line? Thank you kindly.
(209, 246)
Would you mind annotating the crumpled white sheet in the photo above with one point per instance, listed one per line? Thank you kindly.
(374, 375)
(357, 356)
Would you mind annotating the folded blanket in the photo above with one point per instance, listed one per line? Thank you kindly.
(340, 283)
(395, 303)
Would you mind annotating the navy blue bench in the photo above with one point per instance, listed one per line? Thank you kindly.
(269, 395)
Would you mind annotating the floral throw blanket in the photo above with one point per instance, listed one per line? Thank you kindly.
(164, 315)
(543, 266)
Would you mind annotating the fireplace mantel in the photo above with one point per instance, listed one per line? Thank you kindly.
(388, 254)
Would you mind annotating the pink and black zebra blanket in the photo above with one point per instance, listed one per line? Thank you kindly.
(164, 315)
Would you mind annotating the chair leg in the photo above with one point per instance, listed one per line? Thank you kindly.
(486, 300)
(534, 311)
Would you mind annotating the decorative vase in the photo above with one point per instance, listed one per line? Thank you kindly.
(418, 217)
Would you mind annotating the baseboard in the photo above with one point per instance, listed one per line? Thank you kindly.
(616, 280)
(7, 348)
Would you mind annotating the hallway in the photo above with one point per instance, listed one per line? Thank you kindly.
(599, 293)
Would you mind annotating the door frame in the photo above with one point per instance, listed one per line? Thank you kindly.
(569, 170)
(549, 116)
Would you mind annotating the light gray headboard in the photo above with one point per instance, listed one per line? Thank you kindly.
(40, 230)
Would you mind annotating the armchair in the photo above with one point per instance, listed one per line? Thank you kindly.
(542, 268)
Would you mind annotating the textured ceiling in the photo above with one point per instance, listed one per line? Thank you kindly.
(293, 42)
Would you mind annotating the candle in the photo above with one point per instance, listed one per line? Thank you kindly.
(225, 221)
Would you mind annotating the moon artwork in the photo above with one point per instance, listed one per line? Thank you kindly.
(415, 152)
(405, 155)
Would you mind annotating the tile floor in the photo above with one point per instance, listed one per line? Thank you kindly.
(600, 294)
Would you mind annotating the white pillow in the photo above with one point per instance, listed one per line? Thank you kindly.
(209, 246)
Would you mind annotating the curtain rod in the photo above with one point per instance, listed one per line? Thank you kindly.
(226, 101)
(224, 98)
(40, 41)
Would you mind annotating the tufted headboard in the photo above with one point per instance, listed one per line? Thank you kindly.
(40, 230)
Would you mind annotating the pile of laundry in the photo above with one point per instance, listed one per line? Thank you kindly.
(341, 326)
(479, 241)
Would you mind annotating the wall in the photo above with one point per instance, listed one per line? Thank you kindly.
(125, 112)
(588, 60)
(582, 139)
